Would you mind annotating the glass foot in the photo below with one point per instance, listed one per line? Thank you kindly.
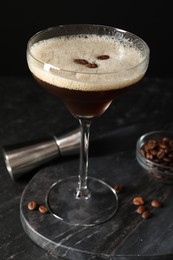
(98, 208)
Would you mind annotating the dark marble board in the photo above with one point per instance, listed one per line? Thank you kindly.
(126, 234)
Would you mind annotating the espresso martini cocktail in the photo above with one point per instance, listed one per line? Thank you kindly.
(93, 70)
(87, 66)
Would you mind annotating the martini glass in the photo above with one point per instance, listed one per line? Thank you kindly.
(86, 66)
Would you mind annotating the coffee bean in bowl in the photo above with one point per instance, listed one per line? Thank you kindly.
(154, 152)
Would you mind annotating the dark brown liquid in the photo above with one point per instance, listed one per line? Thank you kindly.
(84, 103)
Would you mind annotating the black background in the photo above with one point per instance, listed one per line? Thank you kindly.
(151, 21)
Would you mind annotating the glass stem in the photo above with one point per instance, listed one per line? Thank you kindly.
(82, 189)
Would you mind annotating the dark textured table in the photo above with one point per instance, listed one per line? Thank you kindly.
(27, 113)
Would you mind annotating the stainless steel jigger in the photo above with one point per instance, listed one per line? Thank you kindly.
(22, 158)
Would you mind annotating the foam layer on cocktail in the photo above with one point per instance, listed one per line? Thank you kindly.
(54, 58)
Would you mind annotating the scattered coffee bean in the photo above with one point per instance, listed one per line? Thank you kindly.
(140, 209)
(146, 214)
(103, 57)
(32, 205)
(43, 209)
(155, 203)
(138, 201)
(118, 188)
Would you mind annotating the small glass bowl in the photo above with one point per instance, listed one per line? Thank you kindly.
(154, 152)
